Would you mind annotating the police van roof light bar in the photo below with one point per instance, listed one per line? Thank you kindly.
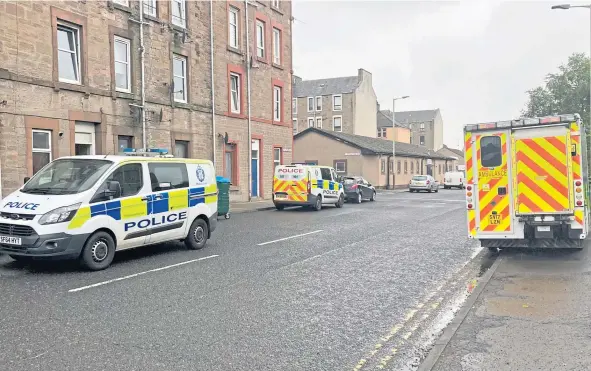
(152, 152)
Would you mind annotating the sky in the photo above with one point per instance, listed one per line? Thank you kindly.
(474, 60)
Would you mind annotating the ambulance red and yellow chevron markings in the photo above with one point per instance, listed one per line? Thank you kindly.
(543, 175)
(469, 179)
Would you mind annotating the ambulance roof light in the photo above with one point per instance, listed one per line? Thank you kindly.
(504, 124)
(535, 121)
(488, 125)
(549, 119)
(568, 118)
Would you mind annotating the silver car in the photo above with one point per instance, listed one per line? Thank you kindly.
(423, 183)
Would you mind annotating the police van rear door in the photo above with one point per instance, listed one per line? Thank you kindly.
(290, 183)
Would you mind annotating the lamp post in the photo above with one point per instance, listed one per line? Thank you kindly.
(394, 138)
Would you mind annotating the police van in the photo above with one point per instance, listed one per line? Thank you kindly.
(306, 185)
(88, 207)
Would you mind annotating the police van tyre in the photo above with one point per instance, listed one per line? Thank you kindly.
(197, 237)
(318, 203)
(279, 207)
(98, 251)
(340, 202)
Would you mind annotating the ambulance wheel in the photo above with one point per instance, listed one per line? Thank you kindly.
(98, 251)
(197, 237)
(373, 196)
(318, 203)
(340, 202)
(437, 190)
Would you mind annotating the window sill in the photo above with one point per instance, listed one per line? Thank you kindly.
(178, 28)
(278, 66)
(262, 3)
(235, 188)
(152, 18)
(235, 51)
(181, 105)
(123, 95)
(275, 9)
(337, 110)
(60, 85)
(124, 8)
(262, 60)
(236, 115)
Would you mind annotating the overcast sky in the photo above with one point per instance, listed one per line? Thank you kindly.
(474, 60)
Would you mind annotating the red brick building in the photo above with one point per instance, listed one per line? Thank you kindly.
(71, 83)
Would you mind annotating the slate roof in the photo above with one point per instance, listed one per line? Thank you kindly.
(385, 120)
(376, 146)
(336, 85)
(406, 117)
(456, 151)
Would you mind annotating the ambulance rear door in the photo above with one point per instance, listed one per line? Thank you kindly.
(493, 186)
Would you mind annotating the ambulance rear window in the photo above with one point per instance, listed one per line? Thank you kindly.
(490, 151)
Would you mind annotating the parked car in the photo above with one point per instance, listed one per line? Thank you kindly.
(423, 183)
(453, 179)
(358, 189)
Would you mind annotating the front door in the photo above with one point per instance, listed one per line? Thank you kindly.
(255, 167)
(494, 208)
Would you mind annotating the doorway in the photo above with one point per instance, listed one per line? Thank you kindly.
(85, 139)
(255, 164)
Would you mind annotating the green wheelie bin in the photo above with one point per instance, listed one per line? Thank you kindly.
(223, 196)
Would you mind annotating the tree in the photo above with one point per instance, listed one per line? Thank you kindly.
(567, 91)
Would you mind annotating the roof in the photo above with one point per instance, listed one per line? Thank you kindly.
(385, 120)
(458, 152)
(336, 85)
(376, 146)
(406, 117)
(125, 158)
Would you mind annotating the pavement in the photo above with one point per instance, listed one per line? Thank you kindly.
(366, 286)
(532, 314)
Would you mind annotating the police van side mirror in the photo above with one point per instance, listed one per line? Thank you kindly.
(27, 178)
(113, 189)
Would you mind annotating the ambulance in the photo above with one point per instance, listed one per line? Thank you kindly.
(88, 207)
(527, 182)
(307, 185)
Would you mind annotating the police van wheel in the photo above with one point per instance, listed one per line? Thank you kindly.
(279, 207)
(318, 203)
(340, 202)
(198, 233)
(98, 252)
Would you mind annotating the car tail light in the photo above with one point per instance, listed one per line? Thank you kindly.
(578, 192)
(579, 203)
(578, 183)
(469, 188)
(469, 194)
(354, 186)
(428, 181)
(460, 180)
(469, 206)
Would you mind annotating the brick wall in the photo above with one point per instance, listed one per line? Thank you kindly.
(29, 83)
(327, 114)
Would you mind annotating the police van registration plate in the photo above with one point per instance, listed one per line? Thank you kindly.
(10, 240)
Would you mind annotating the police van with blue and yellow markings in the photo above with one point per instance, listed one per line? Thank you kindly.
(87, 207)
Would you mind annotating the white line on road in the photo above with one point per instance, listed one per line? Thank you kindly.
(426, 199)
(140, 273)
(290, 237)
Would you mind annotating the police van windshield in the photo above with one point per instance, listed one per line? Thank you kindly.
(67, 176)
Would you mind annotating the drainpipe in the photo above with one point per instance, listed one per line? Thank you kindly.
(143, 64)
(213, 133)
(388, 170)
(248, 100)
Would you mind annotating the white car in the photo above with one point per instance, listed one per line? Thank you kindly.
(454, 179)
(423, 183)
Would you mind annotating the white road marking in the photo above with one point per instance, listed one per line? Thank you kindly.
(426, 199)
(141, 273)
(290, 237)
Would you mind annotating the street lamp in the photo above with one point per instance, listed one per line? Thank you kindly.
(394, 138)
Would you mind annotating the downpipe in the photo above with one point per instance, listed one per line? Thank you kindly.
(248, 100)
(211, 48)
(142, 73)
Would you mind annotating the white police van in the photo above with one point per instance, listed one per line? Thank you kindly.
(87, 207)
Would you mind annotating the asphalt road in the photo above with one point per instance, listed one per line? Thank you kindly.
(360, 287)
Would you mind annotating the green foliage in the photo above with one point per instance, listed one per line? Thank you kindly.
(567, 91)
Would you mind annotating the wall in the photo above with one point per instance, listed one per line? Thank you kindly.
(35, 99)
(400, 134)
(327, 113)
(414, 166)
(438, 132)
(365, 106)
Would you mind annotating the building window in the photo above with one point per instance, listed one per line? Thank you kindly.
(382, 133)
(310, 104)
(337, 102)
(277, 157)
(178, 13)
(68, 46)
(260, 34)
(340, 166)
(391, 166)
(179, 70)
(277, 103)
(124, 141)
(412, 167)
(276, 46)
(121, 57)
(422, 140)
(405, 167)
(318, 103)
(230, 163)
(383, 166)
(41, 149)
(439, 168)
(122, 2)
(310, 122)
(419, 171)
(295, 126)
(398, 167)
(181, 149)
(422, 127)
(294, 106)
(337, 123)
(150, 7)
(233, 27)
(319, 122)
(275, 4)
(235, 103)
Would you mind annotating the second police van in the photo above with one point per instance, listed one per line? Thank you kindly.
(306, 185)
(88, 207)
